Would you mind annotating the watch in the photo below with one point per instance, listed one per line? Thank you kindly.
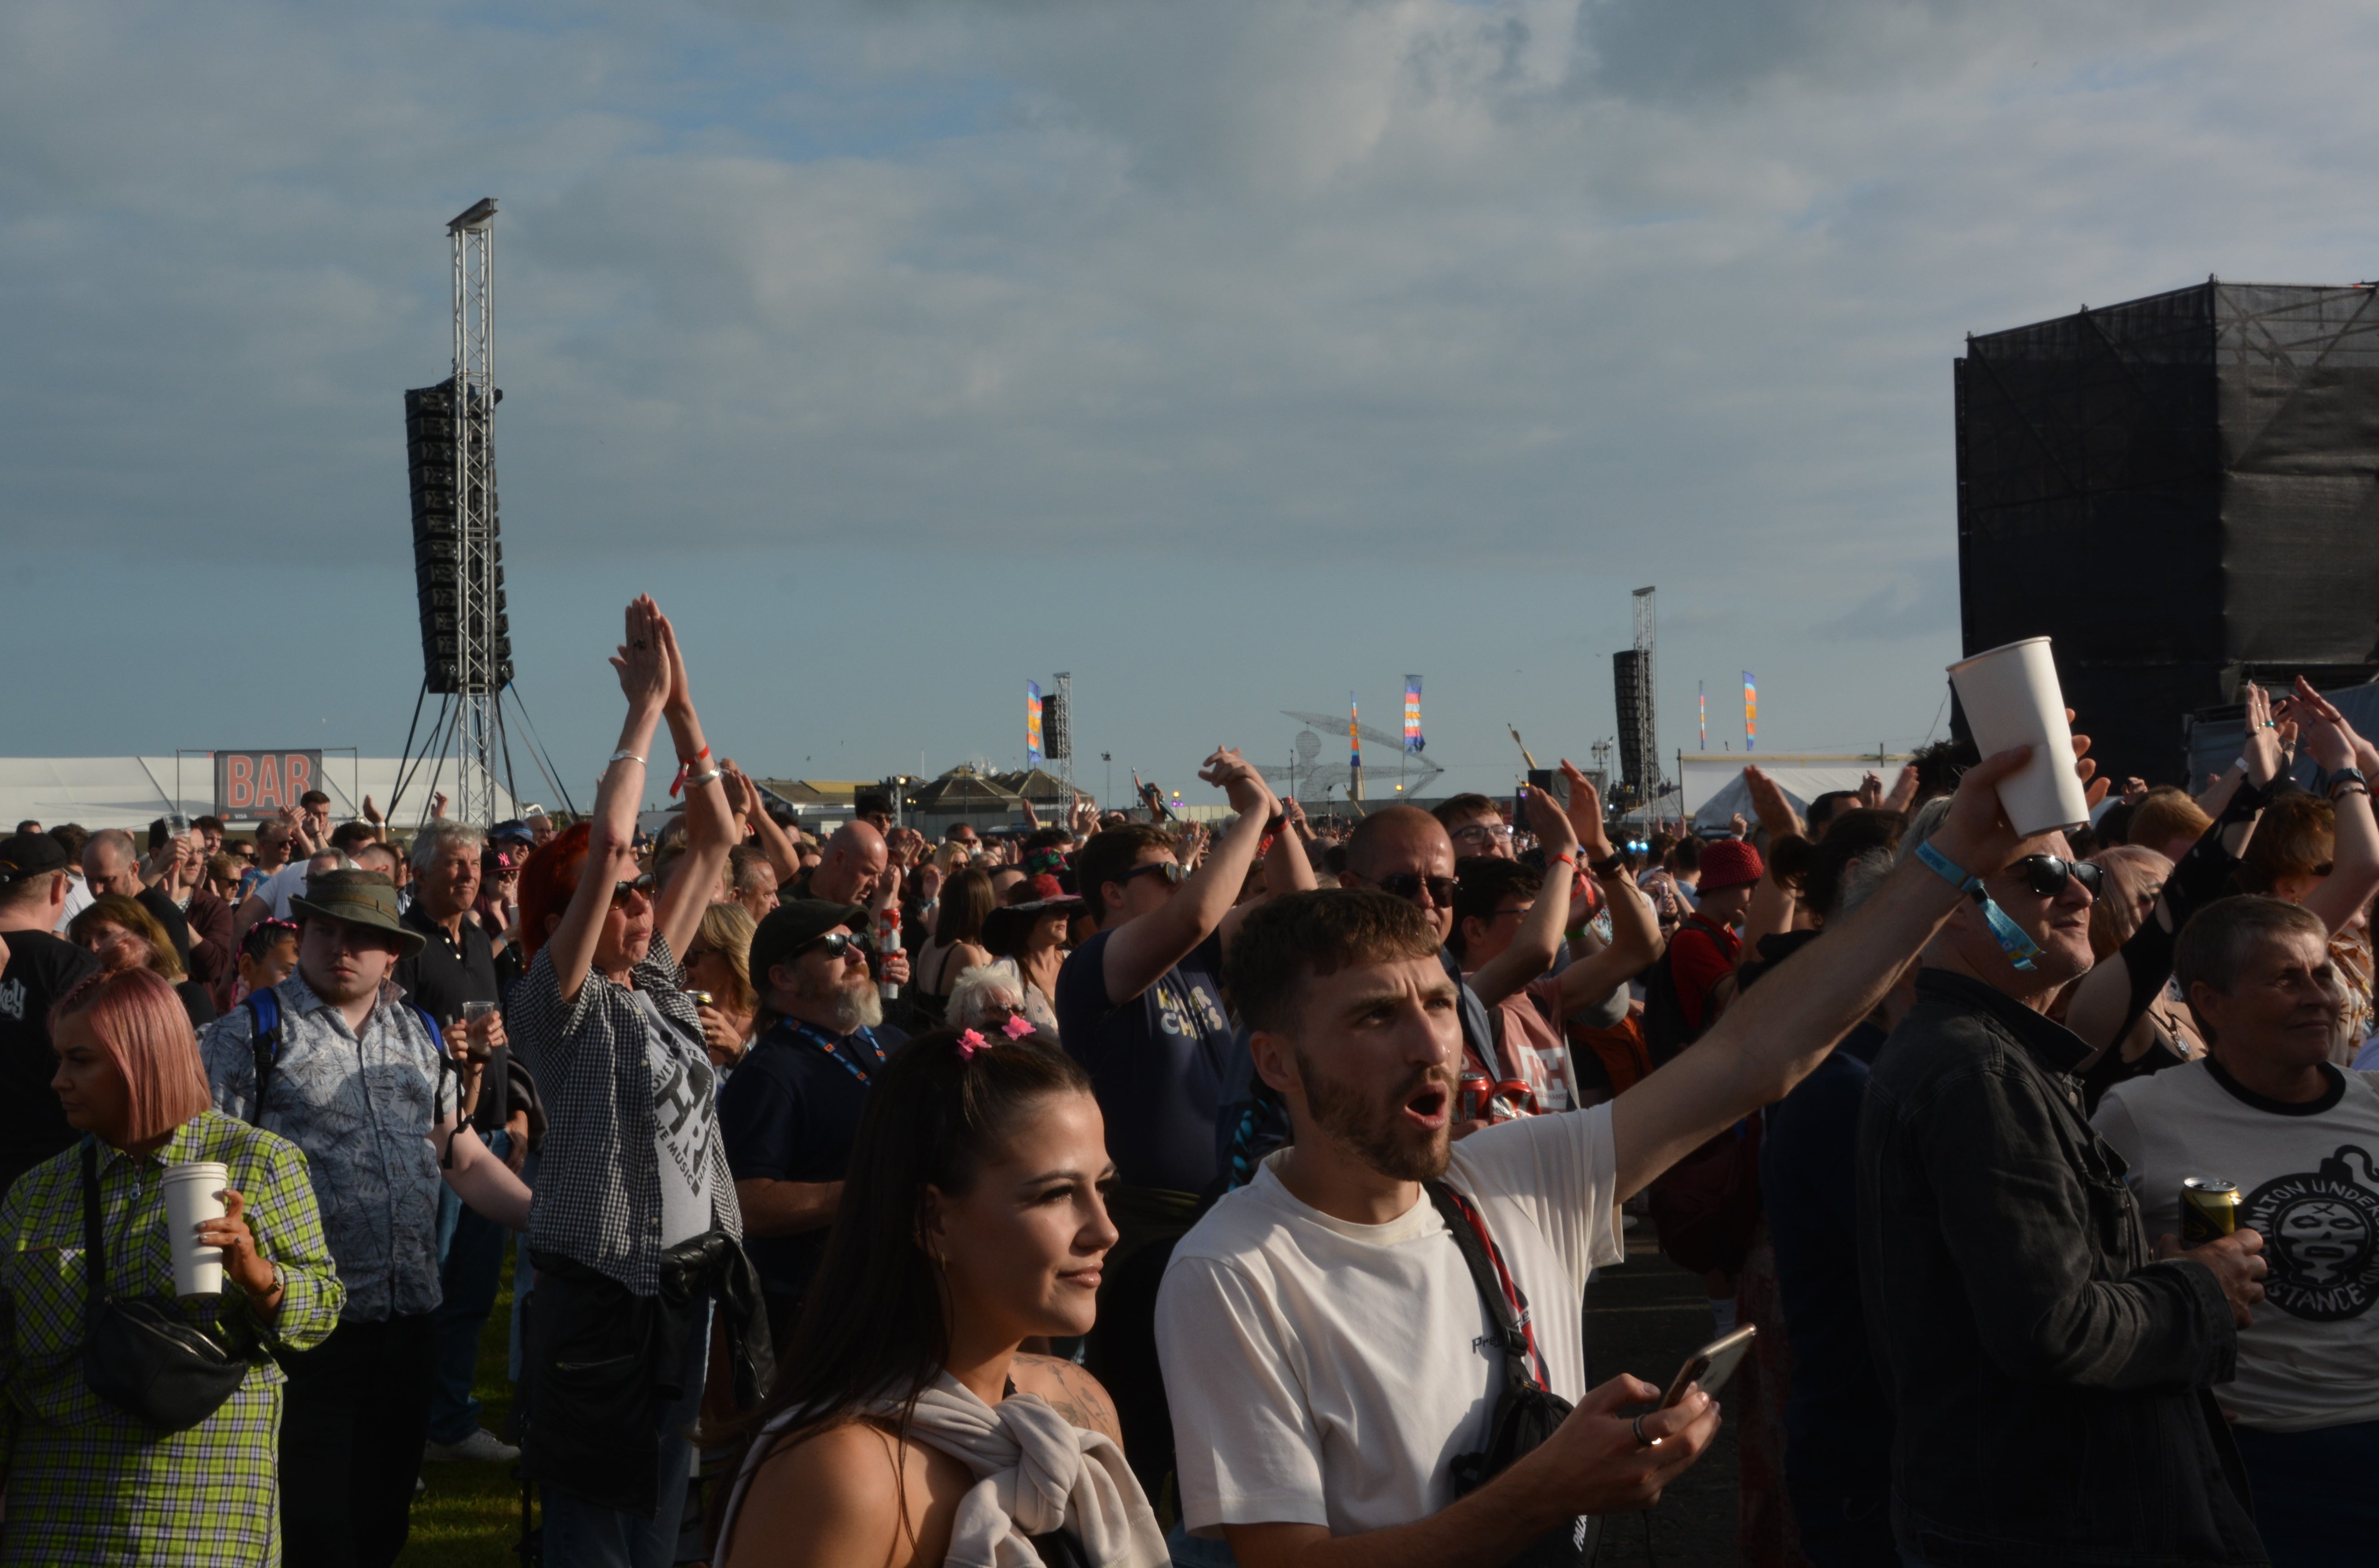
(274, 1288)
(2345, 778)
(1609, 866)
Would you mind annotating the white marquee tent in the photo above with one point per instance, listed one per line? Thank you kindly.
(132, 793)
(1715, 792)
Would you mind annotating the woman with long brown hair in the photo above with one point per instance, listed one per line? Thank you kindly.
(907, 1426)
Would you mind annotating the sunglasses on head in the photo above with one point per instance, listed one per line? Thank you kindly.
(1407, 885)
(1169, 870)
(2047, 875)
(620, 890)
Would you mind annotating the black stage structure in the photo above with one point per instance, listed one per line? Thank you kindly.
(2184, 492)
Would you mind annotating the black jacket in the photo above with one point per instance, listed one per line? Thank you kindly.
(2049, 1383)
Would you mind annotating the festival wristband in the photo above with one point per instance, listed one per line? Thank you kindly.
(2020, 948)
(1955, 875)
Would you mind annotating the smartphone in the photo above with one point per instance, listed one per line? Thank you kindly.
(1711, 1365)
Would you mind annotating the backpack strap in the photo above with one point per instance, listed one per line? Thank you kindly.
(264, 1019)
(1524, 1364)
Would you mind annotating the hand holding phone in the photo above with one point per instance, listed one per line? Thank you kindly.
(1711, 1365)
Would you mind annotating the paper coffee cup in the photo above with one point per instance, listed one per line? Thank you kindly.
(2013, 698)
(193, 1196)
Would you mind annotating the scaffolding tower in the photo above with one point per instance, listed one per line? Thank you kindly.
(479, 617)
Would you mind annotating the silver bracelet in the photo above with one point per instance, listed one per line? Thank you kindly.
(699, 780)
(626, 756)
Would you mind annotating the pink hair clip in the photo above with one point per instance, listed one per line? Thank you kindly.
(1017, 1026)
(968, 1044)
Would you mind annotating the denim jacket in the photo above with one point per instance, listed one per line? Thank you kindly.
(2049, 1381)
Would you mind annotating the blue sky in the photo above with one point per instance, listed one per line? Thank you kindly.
(1231, 356)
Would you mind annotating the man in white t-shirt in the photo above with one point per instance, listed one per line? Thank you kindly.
(1326, 1354)
(2300, 1138)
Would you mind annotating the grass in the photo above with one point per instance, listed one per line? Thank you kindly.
(469, 1515)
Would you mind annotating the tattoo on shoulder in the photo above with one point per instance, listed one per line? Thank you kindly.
(1077, 1397)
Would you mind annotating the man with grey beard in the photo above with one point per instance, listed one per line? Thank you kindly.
(790, 1111)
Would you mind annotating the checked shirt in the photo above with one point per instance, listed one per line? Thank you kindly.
(599, 1187)
(88, 1483)
(362, 1105)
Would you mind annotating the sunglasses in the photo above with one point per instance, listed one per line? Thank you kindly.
(834, 944)
(620, 890)
(1169, 870)
(2047, 875)
(1407, 885)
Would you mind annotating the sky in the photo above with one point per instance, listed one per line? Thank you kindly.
(1232, 356)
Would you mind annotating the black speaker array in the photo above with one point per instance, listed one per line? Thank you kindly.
(438, 542)
(1057, 728)
(1631, 673)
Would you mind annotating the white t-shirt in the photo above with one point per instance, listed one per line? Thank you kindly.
(685, 1118)
(1327, 1373)
(2308, 1179)
(277, 889)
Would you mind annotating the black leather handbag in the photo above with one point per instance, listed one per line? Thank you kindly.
(138, 1353)
(1527, 1412)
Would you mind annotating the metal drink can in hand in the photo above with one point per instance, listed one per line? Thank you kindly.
(2209, 1209)
(1475, 1088)
(887, 940)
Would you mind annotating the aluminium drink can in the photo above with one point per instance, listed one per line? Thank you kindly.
(2209, 1209)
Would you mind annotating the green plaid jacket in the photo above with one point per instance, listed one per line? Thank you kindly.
(86, 1482)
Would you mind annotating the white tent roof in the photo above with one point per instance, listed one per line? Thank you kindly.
(1714, 789)
(132, 793)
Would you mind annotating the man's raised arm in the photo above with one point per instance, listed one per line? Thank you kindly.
(1775, 1034)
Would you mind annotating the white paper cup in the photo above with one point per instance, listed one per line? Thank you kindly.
(194, 1195)
(2013, 698)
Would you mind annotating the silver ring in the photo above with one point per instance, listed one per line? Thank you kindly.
(1641, 1440)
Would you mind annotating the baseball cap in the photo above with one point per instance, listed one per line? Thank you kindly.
(29, 854)
(794, 925)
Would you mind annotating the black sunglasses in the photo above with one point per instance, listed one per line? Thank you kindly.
(2046, 874)
(834, 944)
(1406, 885)
(620, 890)
(1169, 870)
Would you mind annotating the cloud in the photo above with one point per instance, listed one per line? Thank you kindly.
(1588, 293)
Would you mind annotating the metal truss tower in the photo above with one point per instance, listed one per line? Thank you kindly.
(479, 612)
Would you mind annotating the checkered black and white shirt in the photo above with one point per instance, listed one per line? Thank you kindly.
(599, 1190)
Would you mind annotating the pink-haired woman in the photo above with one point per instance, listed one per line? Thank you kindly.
(88, 1481)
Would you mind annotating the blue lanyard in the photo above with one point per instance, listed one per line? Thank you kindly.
(827, 1044)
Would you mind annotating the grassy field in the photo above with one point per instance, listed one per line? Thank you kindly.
(469, 1515)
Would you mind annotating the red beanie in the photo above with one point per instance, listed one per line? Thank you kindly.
(1730, 862)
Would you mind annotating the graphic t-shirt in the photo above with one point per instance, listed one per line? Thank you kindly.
(41, 970)
(1157, 1062)
(686, 1119)
(1325, 1372)
(2308, 1179)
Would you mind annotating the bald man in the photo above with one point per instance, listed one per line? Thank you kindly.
(854, 862)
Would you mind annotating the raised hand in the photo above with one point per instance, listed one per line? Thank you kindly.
(1768, 798)
(1904, 789)
(2263, 748)
(642, 658)
(1241, 785)
(2315, 713)
(437, 806)
(1586, 815)
(1870, 789)
(1549, 822)
(680, 696)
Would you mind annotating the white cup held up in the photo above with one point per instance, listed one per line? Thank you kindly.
(2011, 698)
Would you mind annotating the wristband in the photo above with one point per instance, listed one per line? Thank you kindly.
(689, 762)
(1609, 866)
(1955, 875)
(1564, 858)
(2345, 776)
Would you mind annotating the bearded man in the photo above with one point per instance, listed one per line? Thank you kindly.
(1333, 1367)
(791, 1111)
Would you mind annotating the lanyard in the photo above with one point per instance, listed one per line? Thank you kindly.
(827, 1044)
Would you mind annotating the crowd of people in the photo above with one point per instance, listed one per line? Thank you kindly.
(1123, 1191)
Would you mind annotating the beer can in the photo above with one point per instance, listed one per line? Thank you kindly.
(701, 998)
(2209, 1209)
(1476, 1088)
